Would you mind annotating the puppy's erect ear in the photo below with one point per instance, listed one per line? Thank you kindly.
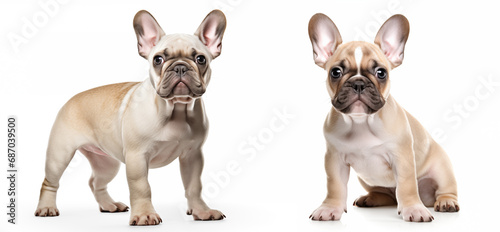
(392, 37)
(211, 31)
(148, 32)
(325, 38)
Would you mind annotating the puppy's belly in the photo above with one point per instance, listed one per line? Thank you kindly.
(162, 152)
(93, 149)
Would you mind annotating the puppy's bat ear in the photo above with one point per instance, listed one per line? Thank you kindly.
(211, 30)
(392, 37)
(325, 38)
(148, 32)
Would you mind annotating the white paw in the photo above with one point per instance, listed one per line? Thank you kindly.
(206, 215)
(113, 207)
(145, 219)
(327, 213)
(416, 213)
(47, 212)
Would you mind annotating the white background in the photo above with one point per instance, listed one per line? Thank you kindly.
(265, 67)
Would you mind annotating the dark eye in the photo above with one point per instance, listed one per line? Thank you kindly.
(201, 59)
(336, 72)
(158, 60)
(381, 73)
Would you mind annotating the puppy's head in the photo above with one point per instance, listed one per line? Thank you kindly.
(358, 72)
(180, 63)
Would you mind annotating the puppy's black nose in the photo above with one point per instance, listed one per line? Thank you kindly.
(180, 69)
(358, 86)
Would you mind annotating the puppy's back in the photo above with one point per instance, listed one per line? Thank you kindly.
(95, 107)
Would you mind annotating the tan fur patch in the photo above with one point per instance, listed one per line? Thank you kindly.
(81, 110)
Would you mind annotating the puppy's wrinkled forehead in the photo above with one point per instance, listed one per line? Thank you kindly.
(180, 45)
(357, 56)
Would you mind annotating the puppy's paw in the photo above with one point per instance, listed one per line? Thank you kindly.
(206, 215)
(327, 213)
(374, 199)
(113, 207)
(47, 212)
(416, 213)
(145, 219)
(446, 204)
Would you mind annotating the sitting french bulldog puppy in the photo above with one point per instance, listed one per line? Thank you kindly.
(395, 158)
(142, 124)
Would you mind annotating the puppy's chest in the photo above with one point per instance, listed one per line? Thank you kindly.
(175, 130)
(369, 154)
(360, 139)
(179, 133)
(173, 140)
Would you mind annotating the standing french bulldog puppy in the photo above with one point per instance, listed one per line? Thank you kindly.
(395, 158)
(142, 124)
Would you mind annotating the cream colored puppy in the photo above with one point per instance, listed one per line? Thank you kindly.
(395, 158)
(144, 125)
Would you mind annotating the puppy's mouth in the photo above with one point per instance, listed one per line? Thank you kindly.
(352, 99)
(357, 106)
(181, 89)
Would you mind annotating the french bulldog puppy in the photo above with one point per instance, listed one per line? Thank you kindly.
(395, 158)
(142, 124)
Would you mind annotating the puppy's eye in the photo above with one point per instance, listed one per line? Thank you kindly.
(158, 60)
(336, 72)
(201, 59)
(381, 73)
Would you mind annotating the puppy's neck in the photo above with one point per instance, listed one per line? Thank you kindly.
(354, 125)
(179, 110)
(358, 119)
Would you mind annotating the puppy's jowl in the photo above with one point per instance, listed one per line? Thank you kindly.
(395, 158)
(142, 124)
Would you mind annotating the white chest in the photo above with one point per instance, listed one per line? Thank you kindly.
(359, 136)
(176, 138)
(365, 147)
(175, 130)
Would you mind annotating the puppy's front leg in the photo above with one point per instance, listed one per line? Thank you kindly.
(409, 204)
(143, 212)
(337, 173)
(191, 166)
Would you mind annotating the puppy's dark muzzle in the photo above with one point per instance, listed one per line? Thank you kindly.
(355, 89)
(180, 79)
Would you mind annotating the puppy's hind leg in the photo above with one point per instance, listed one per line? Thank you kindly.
(377, 196)
(446, 190)
(104, 169)
(60, 151)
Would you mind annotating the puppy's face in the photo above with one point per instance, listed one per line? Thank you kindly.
(180, 67)
(180, 63)
(358, 72)
(358, 78)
